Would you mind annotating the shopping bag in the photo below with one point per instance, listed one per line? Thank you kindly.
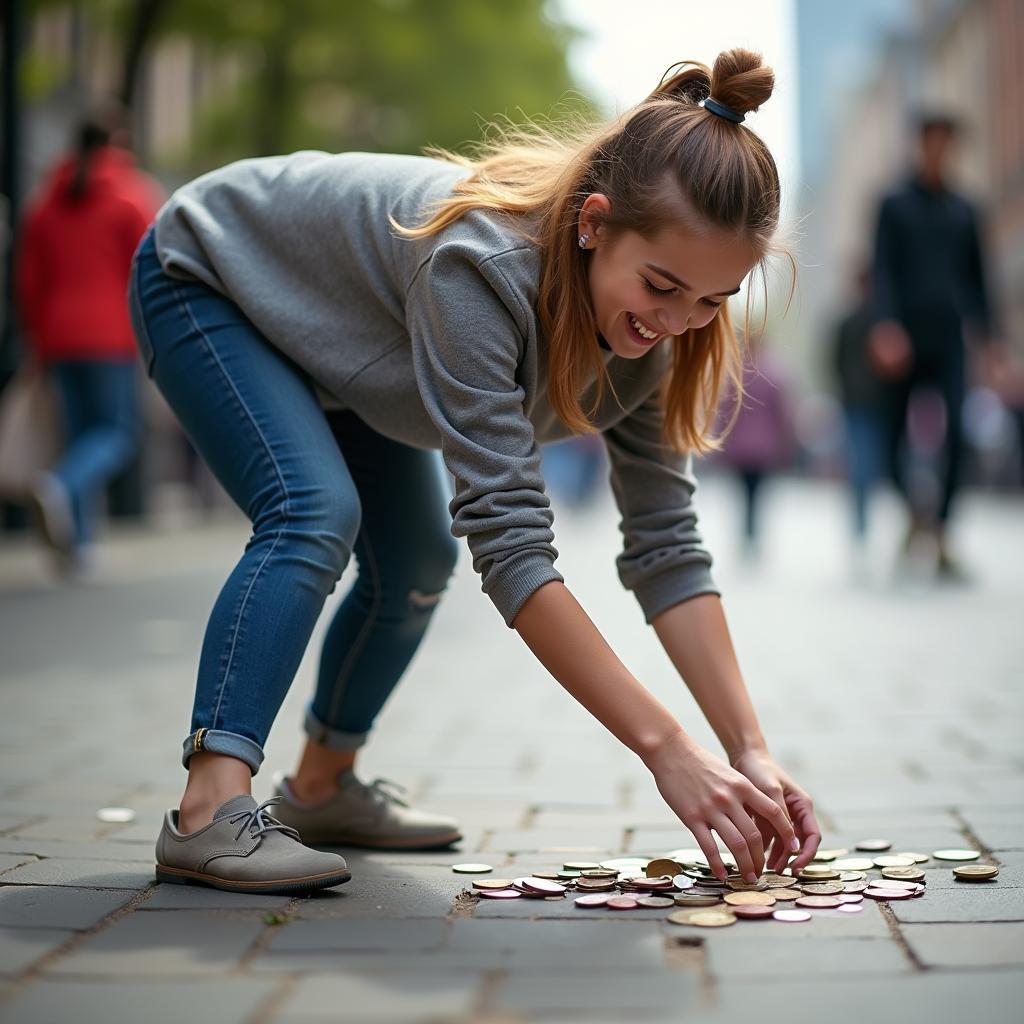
(29, 430)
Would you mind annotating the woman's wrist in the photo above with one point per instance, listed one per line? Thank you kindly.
(657, 749)
(752, 745)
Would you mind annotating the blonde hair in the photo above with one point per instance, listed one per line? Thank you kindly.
(723, 173)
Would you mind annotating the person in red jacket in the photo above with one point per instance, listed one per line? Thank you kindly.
(77, 240)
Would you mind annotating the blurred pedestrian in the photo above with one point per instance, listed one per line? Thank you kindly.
(861, 393)
(75, 251)
(761, 440)
(321, 324)
(929, 282)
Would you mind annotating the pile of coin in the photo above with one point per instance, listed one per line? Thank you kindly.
(684, 882)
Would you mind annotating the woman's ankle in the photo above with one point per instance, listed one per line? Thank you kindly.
(212, 780)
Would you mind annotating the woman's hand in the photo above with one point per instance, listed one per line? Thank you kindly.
(707, 794)
(760, 768)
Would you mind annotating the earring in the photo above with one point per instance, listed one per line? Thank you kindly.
(583, 241)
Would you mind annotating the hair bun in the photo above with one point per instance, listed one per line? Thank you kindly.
(740, 80)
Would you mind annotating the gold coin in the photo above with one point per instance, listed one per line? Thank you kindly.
(682, 899)
(712, 918)
(655, 902)
(748, 899)
(822, 888)
(919, 858)
(662, 866)
(472, 869)
(827, 855)
(914, 874)
(851, 876)
(854, 864)
(551, 876)
(818, 876)
(956, 854)
(600, 873)
(975, 872)
(492, 883)
(820, 902)
(580, 865)
(889, 860)
(874, 845)
(738, 886)
(786, 894)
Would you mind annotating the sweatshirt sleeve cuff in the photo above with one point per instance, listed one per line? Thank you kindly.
(516, 584)
(658, 593)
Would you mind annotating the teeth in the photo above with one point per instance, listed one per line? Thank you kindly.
(641, 330)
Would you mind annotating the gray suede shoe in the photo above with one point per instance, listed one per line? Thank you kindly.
(364, 815)
(244, 849)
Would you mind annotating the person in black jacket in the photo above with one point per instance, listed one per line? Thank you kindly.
(928, 283)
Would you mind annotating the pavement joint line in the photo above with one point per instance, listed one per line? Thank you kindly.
(889, 916)
(269, 1006)
(23, 824)
(23, 979)
(483, 1009)
(14, 867)
(968, 833)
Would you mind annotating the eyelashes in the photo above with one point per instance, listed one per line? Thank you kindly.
(669, 291)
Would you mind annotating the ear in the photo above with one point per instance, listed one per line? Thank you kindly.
(592, 213)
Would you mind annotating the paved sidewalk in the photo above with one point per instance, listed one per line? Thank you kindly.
(899, 705)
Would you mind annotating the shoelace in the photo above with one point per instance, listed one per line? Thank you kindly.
(389, 791)
(263, 821)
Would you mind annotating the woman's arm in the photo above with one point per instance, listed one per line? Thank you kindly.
(703, 791)
(696, 637)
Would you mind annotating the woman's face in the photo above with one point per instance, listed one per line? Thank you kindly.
(644, 291)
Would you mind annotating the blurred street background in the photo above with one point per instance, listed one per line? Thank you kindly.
(878, 625)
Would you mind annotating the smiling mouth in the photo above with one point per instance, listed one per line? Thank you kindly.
(640, 332)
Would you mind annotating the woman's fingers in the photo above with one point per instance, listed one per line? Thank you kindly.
(706, 841)
(807, 828)
(740, 835)
(777, 816)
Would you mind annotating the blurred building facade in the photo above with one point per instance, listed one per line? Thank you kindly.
(959, 55)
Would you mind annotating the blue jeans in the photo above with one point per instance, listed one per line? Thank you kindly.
(865, 429)
(100, 402)
(316, 487)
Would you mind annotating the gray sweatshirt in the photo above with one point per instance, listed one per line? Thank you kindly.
(436, 343)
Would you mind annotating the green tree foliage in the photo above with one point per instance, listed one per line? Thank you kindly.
(382, 75)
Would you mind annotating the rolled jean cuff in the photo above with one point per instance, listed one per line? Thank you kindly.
(333, 739)
(220, 742)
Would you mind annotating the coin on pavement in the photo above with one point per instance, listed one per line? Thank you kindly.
(852, 876)
(890, 860)
(919, 858)
(821, 888)
(749, 899)
(792, 916)
(874, 845)
(914, 874)
(499, 894)
(682, 899)
(786, 894)
(472, 869)
(492, 883)
(854, 864)
(819, 902)
(956, 854)
(622, 903)
(753, 911)
(851, 908)
(662, 866)
(116, 814)
(580, 865)
(592, 900)
(975, 872)
(826, 855)
(656, 902)
(740, 886)
(712, 918)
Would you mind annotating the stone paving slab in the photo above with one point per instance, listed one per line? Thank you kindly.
(395, 997)
(967, 945)
(40, 906)
(965, 903)
(14, 860)
(224, 1000)
(750, 955)
(97, 850)
(320, 936)
(585, 994)
(181, 942)
(94, 874)
(20, 947)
